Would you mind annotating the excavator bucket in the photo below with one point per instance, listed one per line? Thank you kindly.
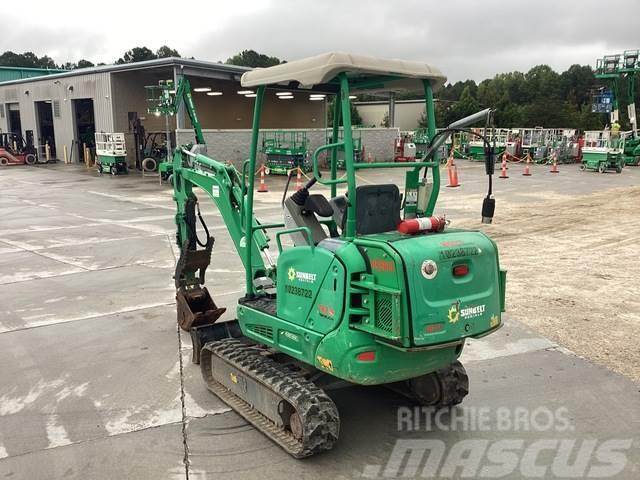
(196, 307)
(194, 303)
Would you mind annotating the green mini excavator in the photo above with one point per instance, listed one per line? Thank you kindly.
(370, 289)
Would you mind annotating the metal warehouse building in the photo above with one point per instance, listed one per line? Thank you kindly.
(66, 108)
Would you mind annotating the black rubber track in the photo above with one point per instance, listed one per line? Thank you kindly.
(318, 413)
(454, 383)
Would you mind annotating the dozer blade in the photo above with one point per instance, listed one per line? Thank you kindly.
(289, 409)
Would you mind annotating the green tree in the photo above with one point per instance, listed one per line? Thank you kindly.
(136, 54)
(385, 120)
(356, 119)
(85, 64)
(166, 52)
(26, 59)
(251, 58)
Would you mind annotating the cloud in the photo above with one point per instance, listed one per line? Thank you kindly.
(464, 38)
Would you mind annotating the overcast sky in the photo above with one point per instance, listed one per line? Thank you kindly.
(464, 38)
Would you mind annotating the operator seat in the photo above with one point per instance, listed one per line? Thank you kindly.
(303, 210)
(377, 208)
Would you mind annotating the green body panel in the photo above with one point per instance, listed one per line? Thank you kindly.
(165, 167)
(388, 307)
(291, 338)
(632, 151)
(111, 161)
(446, 308)
(301, 285)
(337, 354)
(607, 160)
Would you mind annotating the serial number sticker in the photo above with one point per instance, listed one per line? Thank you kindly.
(299, 291)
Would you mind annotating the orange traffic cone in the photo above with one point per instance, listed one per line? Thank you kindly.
(527, 171)
(503, 170)
(453, 174)
(299, 179)
(263, 187)
(449, 162)
(554, 165)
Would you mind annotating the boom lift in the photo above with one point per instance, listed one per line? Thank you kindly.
(166, 99)
(375, 290)
(614, 69)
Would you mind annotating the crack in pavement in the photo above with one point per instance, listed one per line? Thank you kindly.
(185, 442)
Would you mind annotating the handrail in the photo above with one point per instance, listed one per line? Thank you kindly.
(294, 230)
(316, 167)
(245, 165)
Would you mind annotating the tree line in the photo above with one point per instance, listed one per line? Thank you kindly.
(248, 58)
(31, 60)
(539, 97)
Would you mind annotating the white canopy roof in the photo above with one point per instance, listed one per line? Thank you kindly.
(324, 68)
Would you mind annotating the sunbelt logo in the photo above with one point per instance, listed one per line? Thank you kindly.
(456, 312)
(472, 312)
(301, 276)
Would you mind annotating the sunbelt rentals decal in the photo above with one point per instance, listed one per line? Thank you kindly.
(456, 312)
(305, 277)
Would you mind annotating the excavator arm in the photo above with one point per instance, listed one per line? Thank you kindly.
(184, 95)
(226, 188)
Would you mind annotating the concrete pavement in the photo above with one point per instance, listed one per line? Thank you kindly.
(97, 380)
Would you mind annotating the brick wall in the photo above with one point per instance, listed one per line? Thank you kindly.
(233, 145)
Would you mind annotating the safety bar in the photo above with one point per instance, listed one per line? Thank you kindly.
(316, 167)
(294, 230)
(359, 166)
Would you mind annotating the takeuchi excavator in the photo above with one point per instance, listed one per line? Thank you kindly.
(371, 289)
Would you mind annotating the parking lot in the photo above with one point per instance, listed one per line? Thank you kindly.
(97, 380)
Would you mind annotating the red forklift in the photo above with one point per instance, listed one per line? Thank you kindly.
(404, 148)
(16, 150)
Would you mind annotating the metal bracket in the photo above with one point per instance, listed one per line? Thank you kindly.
(192, 264)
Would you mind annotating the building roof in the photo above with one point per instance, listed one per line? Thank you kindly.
(321, 69)
(16, 73)
(147, 64)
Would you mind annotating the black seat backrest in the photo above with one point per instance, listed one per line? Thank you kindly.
(377, 208)
(319, 205)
